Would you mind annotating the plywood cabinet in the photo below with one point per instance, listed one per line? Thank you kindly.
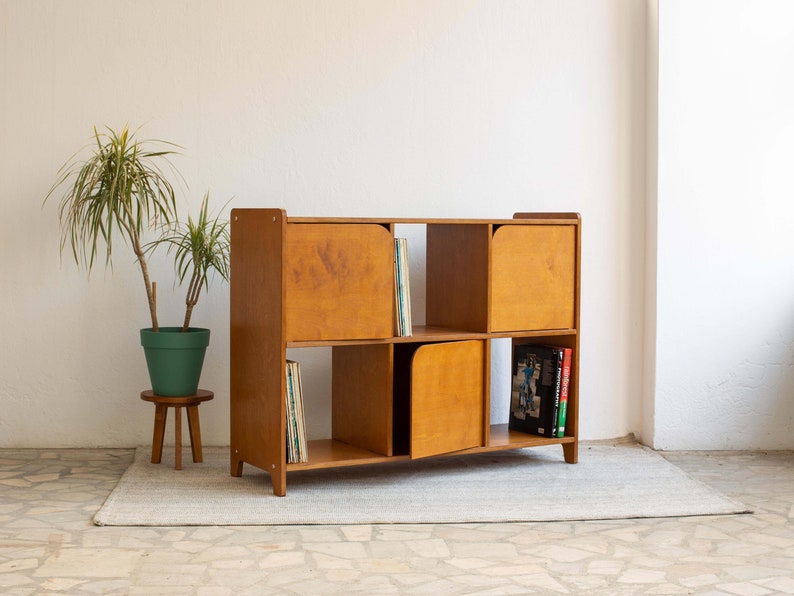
(329, 282)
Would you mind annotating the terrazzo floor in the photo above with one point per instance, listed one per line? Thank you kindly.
(48, 544)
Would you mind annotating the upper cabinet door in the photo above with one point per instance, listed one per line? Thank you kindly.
(533, 280)
(339, 281)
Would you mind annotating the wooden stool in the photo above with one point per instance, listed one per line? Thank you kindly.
(162, 403)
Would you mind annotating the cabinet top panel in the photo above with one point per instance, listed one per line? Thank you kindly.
(528, 218)
(539, 218)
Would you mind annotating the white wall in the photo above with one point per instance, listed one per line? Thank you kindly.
(724, 326)
(351, 108)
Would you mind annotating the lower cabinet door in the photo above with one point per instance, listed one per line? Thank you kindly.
(447, 397)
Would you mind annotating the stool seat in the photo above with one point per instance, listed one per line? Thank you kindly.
(162, 403)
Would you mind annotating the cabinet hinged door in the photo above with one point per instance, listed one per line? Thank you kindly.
(447, 393)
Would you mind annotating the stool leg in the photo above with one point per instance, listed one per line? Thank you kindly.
(178, 440)
(195, 432)
(160, 415)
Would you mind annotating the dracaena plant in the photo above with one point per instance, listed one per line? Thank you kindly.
(201, 248)
(121, 188)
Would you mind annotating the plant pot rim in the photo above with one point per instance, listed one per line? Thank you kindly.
(172, 338)
(175, 330)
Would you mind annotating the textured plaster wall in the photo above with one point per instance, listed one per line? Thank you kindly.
(725, 290)
(347, 108)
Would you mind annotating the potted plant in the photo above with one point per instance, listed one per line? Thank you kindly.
(175, 355)
(121, 188)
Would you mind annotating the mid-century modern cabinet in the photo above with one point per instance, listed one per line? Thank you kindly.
(308, 282)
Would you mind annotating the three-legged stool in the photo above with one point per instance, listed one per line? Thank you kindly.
(162, 403)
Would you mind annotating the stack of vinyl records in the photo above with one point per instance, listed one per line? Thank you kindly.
(403, 287)
(297, 451)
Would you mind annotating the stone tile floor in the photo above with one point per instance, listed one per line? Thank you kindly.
(48, 544)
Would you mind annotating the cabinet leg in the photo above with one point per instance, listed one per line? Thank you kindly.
(278, 477)
(279, 481)
(236, 466)
(160, 415)
(571, 452)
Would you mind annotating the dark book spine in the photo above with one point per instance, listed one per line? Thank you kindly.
(557, 390)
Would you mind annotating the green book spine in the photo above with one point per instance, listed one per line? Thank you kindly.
(566, 381)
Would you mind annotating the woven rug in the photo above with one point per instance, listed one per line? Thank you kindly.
(611, 481)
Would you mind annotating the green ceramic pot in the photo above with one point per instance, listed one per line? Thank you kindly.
(175, 359)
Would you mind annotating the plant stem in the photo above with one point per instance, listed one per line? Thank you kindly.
(193, 290)
(135, 239)
(148, 284)
(188, 312)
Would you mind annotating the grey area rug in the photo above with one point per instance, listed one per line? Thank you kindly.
(611, 481)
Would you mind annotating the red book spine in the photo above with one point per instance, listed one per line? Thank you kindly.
(566, 381)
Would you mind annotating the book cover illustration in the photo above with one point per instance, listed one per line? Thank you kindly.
(536, 389)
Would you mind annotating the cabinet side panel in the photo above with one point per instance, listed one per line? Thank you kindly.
(457, 276)
(572, 425)
(447, 395)
(258, 349)
(339, 281)
(533, 278)
(362, 396)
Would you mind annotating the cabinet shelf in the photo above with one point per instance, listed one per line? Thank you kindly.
(328, 453)
(424, 333)
(329, 282)
(501, 437)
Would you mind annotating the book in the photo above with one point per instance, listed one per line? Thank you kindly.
(297, 448)
(403, 288)
(535, 395)
(564, 386)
